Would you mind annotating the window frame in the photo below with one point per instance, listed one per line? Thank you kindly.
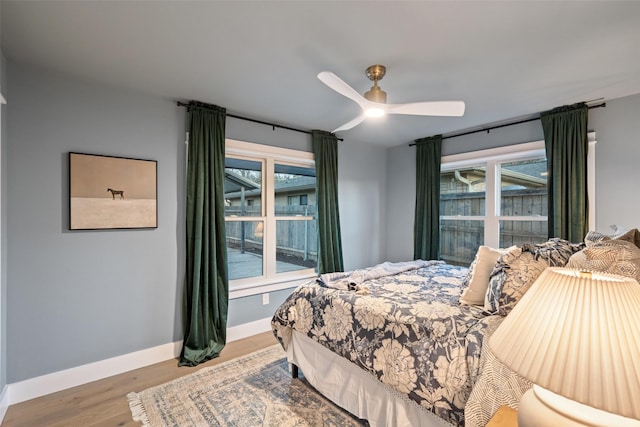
(492, 158)
(268, 155)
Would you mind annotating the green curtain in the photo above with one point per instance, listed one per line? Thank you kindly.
(206, 287)
(426, 226)
(325, 150)
(567, 146)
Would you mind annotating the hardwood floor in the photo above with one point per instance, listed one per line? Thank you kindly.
(104, 402)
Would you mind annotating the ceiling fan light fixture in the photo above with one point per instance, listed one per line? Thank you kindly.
(374, 112)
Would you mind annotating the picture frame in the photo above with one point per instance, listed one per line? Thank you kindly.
(109, 192)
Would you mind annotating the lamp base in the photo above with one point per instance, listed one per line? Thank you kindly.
(540, 407)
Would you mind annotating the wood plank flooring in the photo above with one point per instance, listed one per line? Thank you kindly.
(104, 403)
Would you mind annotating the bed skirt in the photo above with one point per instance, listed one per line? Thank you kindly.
(354, 389)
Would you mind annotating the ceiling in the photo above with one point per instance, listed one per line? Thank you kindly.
(505, 59)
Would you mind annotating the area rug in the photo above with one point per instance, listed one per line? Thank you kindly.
(253, 390)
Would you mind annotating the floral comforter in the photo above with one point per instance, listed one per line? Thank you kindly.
(408, 330)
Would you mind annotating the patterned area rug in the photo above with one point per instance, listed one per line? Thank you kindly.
(254, 390)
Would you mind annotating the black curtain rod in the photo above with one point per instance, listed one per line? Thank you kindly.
(273, 125)
(490, 128)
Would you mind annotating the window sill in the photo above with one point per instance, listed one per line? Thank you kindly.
(268, 286)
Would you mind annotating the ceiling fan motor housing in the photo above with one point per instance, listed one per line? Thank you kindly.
(375, 94)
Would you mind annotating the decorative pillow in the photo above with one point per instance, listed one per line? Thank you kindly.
(497, 278)
(477, 279)
(617, 256)
(594, 237)
(516, 271)
(632, 236)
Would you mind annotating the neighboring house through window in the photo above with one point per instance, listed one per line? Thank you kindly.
(270, 240)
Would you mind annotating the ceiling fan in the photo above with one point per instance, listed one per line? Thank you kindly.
(374, 102)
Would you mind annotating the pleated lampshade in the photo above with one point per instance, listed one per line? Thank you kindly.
(577, 334)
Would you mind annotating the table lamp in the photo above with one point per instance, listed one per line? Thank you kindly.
(259, 229)
(576, 336)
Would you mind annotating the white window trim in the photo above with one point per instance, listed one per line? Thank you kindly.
(233, 146)
(591, 179)
(493, 156)
(527, 150)
(3, 392)
(270, 281)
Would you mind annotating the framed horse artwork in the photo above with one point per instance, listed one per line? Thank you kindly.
(108, 192)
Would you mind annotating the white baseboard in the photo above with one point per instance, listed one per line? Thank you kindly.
(46, 384)
(61, 380)
(4, 402)
(245, 330)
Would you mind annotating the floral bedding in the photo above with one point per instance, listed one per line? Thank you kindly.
(408, 330)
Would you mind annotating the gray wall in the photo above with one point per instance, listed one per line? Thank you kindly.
(362, 174)
(617, 160)
(80, 297)
(617, 156)
(401, 188)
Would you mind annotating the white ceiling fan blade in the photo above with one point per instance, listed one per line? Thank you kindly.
(337, 84)
(434, 108)
(351, 123)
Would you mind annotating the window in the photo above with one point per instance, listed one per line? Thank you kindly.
(271, 234)
(301, 199)
(497, 198)
(522, 207)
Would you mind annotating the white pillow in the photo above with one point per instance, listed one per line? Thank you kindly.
(477, 280)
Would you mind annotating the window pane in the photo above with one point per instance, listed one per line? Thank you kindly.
(242, 187)
(524, 188)
(519, 232)
(244, 248)
(296, 247)
(295, 188)
(459, 240)
(462, 192)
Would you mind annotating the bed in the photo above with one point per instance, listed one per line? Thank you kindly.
(394, 349)
(394, 344)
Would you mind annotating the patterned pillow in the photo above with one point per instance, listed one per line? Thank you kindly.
(617, 256)
(632, 236)
(477, 280)
(497, 279)
(516, 271)
(594, 237)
